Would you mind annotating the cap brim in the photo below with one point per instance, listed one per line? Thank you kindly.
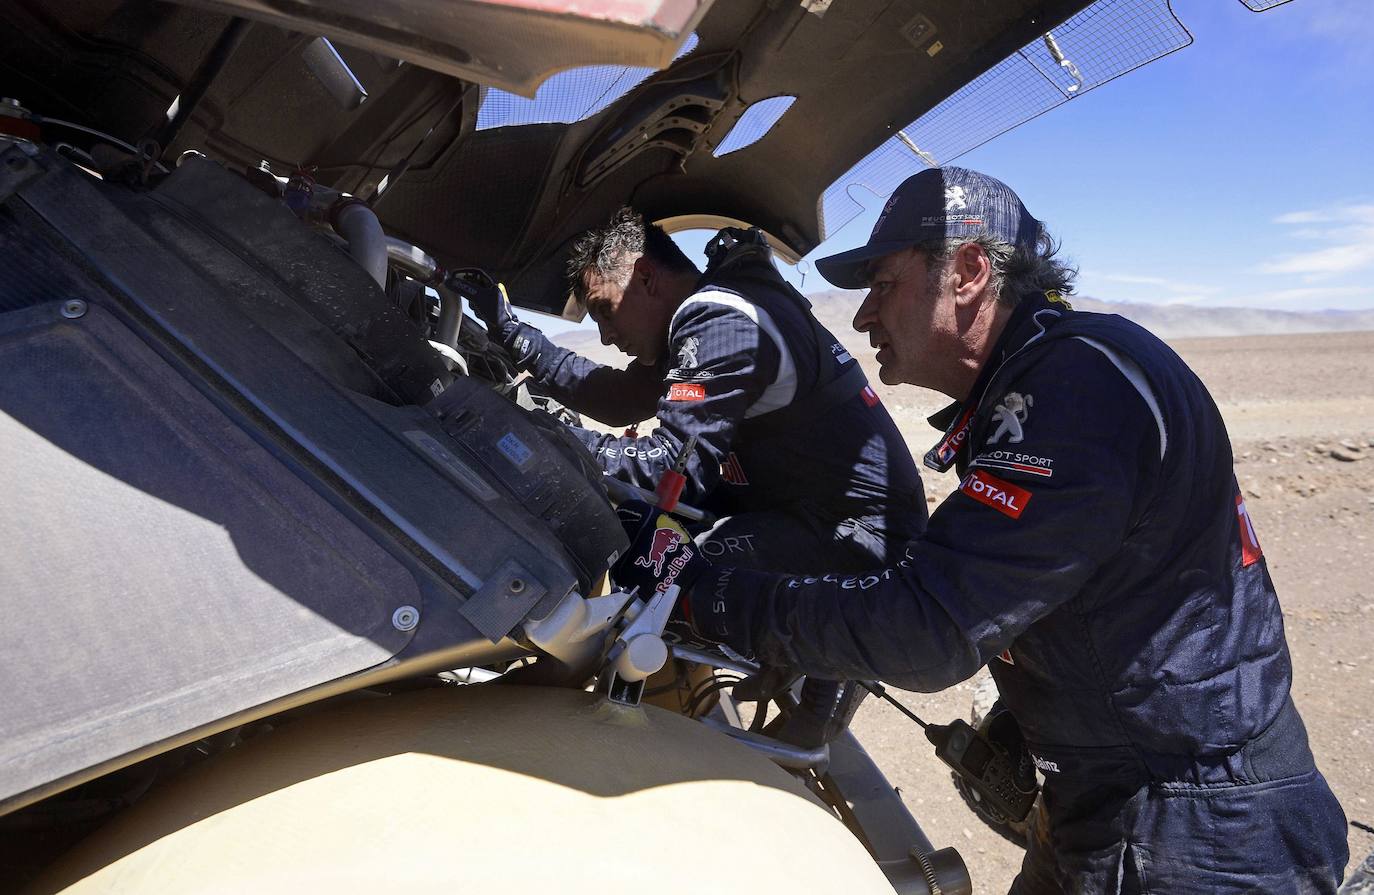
(846, 270)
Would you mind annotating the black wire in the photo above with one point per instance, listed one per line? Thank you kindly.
(879, 691)
(401, 129)
(713, 685)
(399, 170)
(1359, 826)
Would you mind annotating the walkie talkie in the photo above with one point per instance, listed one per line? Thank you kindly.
(987, 767)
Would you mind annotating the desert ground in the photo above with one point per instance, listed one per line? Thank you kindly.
(1300, 411)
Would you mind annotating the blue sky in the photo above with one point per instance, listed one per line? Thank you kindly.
(1238, 171)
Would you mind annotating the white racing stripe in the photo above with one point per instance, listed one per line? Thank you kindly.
(784, 386)
(1136, 377)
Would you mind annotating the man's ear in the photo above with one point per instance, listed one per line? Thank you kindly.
(972, 270)
(647, 273)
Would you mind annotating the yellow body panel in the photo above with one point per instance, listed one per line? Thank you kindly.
(473, 790)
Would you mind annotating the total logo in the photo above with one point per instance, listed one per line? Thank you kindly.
(1004, 497)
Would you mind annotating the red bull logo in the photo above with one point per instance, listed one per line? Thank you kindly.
(666, 541)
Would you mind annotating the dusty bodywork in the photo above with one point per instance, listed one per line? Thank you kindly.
(257, 462)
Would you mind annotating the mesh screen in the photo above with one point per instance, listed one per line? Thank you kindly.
(1104, 41)
(756, 121)
(1262, 5)
(568, 96)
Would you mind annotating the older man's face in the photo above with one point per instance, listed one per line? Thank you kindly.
(906, 318)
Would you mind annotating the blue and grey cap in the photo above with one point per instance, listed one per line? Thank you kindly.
(935, 204)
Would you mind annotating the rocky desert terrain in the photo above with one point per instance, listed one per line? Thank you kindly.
(1300, 411)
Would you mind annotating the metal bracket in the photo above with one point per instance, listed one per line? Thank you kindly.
(503, 600)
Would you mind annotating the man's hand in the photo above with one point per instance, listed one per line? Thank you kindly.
(487, 299)
(661, 553)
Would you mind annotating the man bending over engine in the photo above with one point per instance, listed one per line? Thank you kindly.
(792, 448)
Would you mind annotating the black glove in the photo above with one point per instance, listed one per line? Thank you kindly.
(487, 299)
(661, 554)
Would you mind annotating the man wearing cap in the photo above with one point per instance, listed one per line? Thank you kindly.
(1097, 557)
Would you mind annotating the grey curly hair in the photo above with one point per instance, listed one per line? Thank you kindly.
(610, 252)
(1016, 271)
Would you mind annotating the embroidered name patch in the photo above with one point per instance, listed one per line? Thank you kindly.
(1004, 497)
(687, 391)
(1013, 461)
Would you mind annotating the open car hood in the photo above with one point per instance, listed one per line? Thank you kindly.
(425, 106)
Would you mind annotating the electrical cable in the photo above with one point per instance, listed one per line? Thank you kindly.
(879, 691)
(713, 685)
(108, 138)
(399, 170)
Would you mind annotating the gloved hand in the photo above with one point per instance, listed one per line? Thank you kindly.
(487, 299)
(661, 554)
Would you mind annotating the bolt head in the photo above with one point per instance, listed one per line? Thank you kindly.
(405, 618)
(73, 308)
(516, 586)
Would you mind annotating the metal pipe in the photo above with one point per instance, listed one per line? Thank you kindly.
(714, 660)
(415, 263)
(358, 225)
(780, 753)
(195, 89)
(450, 315)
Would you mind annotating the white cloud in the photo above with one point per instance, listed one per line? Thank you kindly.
(1343, 20)
(1348, 231)
(1324, 262)
(1301, 217)
(1173, 286)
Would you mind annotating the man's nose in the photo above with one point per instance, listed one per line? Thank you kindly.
(607, 337)
(866, 316)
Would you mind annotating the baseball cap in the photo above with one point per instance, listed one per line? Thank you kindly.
(934, 204)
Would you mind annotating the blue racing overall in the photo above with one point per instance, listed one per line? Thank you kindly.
(1098, 557)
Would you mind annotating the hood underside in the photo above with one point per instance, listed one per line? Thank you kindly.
(402, 95)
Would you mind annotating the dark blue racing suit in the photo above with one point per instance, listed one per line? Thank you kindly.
(1099, 559)
(793, 450)
(805, 476)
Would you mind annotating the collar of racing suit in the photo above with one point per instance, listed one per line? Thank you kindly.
(1034, 313)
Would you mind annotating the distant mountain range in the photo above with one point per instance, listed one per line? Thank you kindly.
(836, 310)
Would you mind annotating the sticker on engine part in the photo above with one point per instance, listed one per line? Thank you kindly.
(436, 388)
(515, 450)
(989, 490)
(447, 461)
